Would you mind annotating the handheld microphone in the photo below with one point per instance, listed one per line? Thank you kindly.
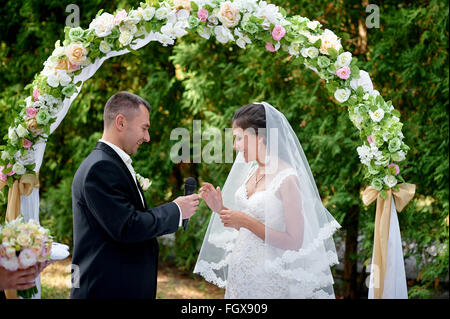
(189, 188)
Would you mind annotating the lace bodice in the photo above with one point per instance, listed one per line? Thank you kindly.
(246, 275)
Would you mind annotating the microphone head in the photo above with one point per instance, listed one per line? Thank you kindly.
(189, 186)
(191, 182)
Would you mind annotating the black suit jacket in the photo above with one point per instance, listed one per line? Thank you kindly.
(114, 233)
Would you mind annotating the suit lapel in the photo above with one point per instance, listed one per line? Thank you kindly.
(103, 147)
(142, 193)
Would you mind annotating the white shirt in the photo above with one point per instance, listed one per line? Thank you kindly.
(127, 160)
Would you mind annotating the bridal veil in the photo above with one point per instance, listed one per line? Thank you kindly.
(298, 244)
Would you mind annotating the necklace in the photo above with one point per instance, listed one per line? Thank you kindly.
(256, 178)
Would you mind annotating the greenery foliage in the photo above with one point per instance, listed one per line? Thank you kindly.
(197, 79)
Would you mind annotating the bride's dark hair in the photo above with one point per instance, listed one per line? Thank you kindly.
(251, 116)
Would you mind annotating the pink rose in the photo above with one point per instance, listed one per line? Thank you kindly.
(120, 16)
(27, 143)
(74, 67)
(202, 14)
(370, 139)
(12, 172)
(343, 73)
(31, 112)
(278, 32)
(3, 177)
(36, 94)
(270, 47)
(397, 169)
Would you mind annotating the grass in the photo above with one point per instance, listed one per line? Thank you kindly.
(173, 283)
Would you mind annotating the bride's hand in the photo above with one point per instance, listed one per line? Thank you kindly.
(233, 218)
(212, 196)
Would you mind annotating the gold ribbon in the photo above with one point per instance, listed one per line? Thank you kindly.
(21, 187)
(381, 233)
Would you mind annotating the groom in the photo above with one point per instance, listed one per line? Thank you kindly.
(114, 231)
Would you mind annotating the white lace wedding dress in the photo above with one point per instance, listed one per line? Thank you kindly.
(247, 278)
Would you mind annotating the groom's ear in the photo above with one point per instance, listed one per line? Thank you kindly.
(120, 122)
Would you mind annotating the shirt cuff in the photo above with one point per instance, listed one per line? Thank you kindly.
(181, 216)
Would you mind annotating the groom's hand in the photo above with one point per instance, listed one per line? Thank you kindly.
(188, 205)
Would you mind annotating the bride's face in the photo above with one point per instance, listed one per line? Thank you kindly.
(248, 143)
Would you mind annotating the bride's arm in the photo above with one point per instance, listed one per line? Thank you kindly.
(292, 237)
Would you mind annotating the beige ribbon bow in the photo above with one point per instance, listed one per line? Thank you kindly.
(21, 187)
(382, 219)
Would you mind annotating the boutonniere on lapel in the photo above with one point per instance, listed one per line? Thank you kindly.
(144, 182)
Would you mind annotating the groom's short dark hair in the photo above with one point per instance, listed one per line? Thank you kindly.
(125, 103)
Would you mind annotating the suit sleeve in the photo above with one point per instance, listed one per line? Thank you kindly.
(107, 199)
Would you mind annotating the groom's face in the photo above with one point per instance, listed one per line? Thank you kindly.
(136, 131)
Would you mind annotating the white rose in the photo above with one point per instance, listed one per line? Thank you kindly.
(228, 14)
(11, 264)
(270, 13)
(104, 47)
(223, 34)
(53, 80)
(21, 131)
(364, 81)
(313, 24)
(342, 95)
(58, 52)
(183, 15)
(311, 38)
(357, 120)
(133, 18)
(23, 240)
(212, 19)
(173, 30)
(390, 181)
(26, 159)
(12, 135)
(59, 77)
(365, 154)
(329, 40)
(140, 31)
(400, 156)
(125, 38)
(246, 5)
(29, 102)
(145, 184)
(310, 52)
(293, 49)
(103, 24)
(344, 59)
(206, 33)
(377, 116)
(148, 13)
(64, 78)
(5, 156)
(162, 13)
(19, 169)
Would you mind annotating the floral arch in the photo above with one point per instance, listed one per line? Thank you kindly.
(241, 22)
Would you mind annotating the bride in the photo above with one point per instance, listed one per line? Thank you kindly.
(269, 236)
